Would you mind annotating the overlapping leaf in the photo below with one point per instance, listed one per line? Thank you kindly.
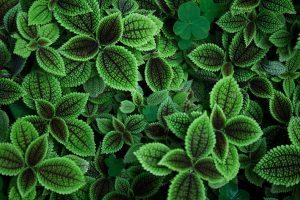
(176, 160)
(11, 160)
(10, 91)
(178, 123)
(39, 13)
(232, 23)
(36, 151)
(72, 7)
(280, 107)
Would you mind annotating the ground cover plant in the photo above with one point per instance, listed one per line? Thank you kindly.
(149, 99)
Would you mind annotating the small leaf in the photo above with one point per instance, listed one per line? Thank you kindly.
(21, 48)
(186, 186)
(100, 188)
(157, 97)
(28, 32)
(200, 139)
(10, 91)
(288, 87)
(122, 185)
(217, 117)
(39, 13)
(59, 130)
(294, 130)
(146, 185)
(232, 23)
(207, 170)
(249, 33)
(118, 68)
(126, 6)
(37, 151)
(71, 105)
(268, 22)
(279, 6)
(135, 123)
(127, 106)
(39, 124)
(280, 166)
(60, 175)
(254, 111)
(261, 87)
(49, 31)
(227, 94)
(45, 109)
(158, 74)
(115, 166)
(280, 38)
(26, 181)
(208, 56)
(149, 156)
(11, 160)
(221, 148)
(105, 34)
(280, 107)
(112, 142)
(176, 160)
(244, 6)
(80, 48)
(178, 123)
(15, 195)
(166, 47)
(72, 7)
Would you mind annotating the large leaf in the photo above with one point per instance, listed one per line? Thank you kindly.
(80, 48)
(268, 22)
(294, 130)
(200, 139)
(118, 68)
(149, 156)
(280, 107)
(37, 151)
(177, 160)
(178, 123)
(11, 160)
(280, 38)
(72, 7)
(26, 181)
(158, 74)
(60, 175)
(232, 23)
(39, 13)
(112, 142)
(279, 6)
(281, 165)
(146, 185)
(227, 94)
(188, 186)
(10, 91)
(27, 31)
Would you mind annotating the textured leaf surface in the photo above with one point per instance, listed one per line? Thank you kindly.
(261, 87)
(59, 130)
(112, 142)
(45, 109)
(279, 6)
(36, 151)
(118, 68)
(178, 123)
(146, 185)
(26, 181)
(232, 23)
(268, 22)
(4, 53)
(11, 160)
(207, 170)
(176, 160)
(294, 130)
(39, 13)
(10, 91)
(280, 107)
(71, 105)
(27, 31)
(72, 7)
(242, 5)
(135, 123)
(280, 38)
(217, 117)
(222, 146)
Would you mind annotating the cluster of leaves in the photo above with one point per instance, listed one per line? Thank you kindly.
(149, 99)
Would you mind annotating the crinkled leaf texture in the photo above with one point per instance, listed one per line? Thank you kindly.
(39, 13)
(45, 109)
(112, 142)
(294, 130)
(146, 185)
(11, 160)
(281, 165)
(280, 107)
(60, 175)
(72, 7)
(10, 91)
(26, 181)
(232, 23)
(207, 170)
(37, 151)
(176, 160)
(178, 123)
(261, 87)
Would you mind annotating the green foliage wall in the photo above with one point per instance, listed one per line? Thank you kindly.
(149, 99)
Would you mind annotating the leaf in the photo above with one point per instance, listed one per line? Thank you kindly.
(268, 22)
(81, 138)
(80, 48)
(227, 94)
(280, 166)
(115, 196)
(261, 87)
(26, 181)
(5, 5)
(72, 7)
(10, 91)
(118, 68)
(138, 30)
(217, 117)
(59, 130)
(157, 97)
(149, 156)
(221, 148)
(50, 61)
(60, 175)
(178, 123)
(112, 142)
(200, 139)
(39, 124)
(15, 195)
(127, 107)
(186, 186)
(208, 56)
(155, 131)
(280, 38)
(254, 111)
(274, 68)
(135, 123)
(242, 55)
(166, 47)
(294, 131)
(279, 6)
(249, 33)
(115, 166)
(232, 23)
(4, 54)
(37, 151)
(45, 109)
(100, 188)
(167, 107)
(28, 32)
(244, 6)
(207, 170)
(4, 126)
(49, 31)
(280, 107)
(11, 160)
(122, 185)
(288, 87)
(146, 185)
(241, 130)
(176, 160)
(71, 105)
(126, 6)
(39, 13)
(158, 74)
(105, 33)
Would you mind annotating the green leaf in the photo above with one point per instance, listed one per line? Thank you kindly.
(28, 32)
(158, 74)
(4, 54)
(166, 47)
(280, 107)
(135, 123)
(15, 195)
(241, 130)
(280, 166)
(242, 55)
(146, 185)
(254, 111)
(122, 185)
(178, 123)
(115, 196)
(112, 142)
(59, 130)
(294, 130)
(227, 94)
(176, 160)
(39, 124)
(100, 188)
(149, 156)
(288, 87)
(127, 106)
(10, 91)
(249, 33)
(279, 6)
(186, 186)
(106, 34)
(157, 97)
(39, 13)
(37, 151)
(200, 139)
(280, 38)
(80, 48)
(26, 181)
(45, 109)
(118, 68)
(71, 105)
(167, 107)
(115, 166)
(81, 138)
(244, 6)
(221, 148)
(4, 126)
(274, 68)
(21, 48)
(72, 7)
(208, 56)
(217, 117)
(261, 87)
(11, 160)
(268, 22)
(138, 30)
(155, 131)
(126, 6)
(5, 5)
(60, 175)
(49, 31)
(232, 23)
(207, 170)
